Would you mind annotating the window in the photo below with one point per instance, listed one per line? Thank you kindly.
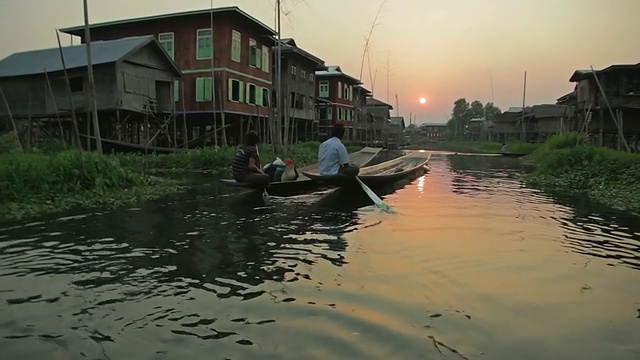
(303, 74)
(265, 59)
(294, 71)
(311, 77)
(203, 89)
(346, 92)
(324, 89)
(176, 90)
(339, 90)
(236, 45)
(330, 114)
(166, 40)
(251, 94)
(254, 57)
(235, 90)
(292, 100)
(265, 97)
(76, 84)
(205, 42)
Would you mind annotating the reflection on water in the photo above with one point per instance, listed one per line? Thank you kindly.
(472, 265)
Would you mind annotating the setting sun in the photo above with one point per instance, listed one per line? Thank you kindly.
(423, 100)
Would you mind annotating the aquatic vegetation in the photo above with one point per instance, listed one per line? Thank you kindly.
(569, 162)
(53, 176)
(35, 183)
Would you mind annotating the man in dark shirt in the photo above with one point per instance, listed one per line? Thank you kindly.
(246, 162)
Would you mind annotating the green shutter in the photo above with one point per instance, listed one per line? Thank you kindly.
(230, 89)
(248, 92)
(241, 92)
(259, 95)
(199, 90)
(330, 113)
(203, 89)
(204, 44)
(236, 45)
(176, 90)
(207, 89)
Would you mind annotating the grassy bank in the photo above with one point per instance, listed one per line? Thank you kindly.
(482, 146)
(218, 161)
(569, 163)
(53, 177)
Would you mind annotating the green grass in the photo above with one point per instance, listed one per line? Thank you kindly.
(569, 163)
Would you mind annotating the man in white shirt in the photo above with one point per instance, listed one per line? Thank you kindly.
(333, 158)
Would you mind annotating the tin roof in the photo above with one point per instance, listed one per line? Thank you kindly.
(373, 102)
(289, 46)
(102, 52)
(80, 28)
(336, 71)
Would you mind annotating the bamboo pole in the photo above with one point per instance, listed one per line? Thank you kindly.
(55, 106)
(92, 94)
(524, 96)
(73, 110)
(213, 91)
(13, 123)
(606, 101)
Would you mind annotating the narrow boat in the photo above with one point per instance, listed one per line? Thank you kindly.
(510, 154)
(383, 173)
(282, 188)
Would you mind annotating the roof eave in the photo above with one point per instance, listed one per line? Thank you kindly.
(79, 30)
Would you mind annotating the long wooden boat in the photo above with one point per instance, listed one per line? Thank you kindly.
(282, 188)
(510, 154)
(383, 173)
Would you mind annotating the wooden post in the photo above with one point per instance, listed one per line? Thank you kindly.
(606, 101)
(146, 133)
(55, 106)
(524, 94)
(92, 95)
(213, 90)
(13, 123)
(73, 110)
(30, 126)
(185, 139)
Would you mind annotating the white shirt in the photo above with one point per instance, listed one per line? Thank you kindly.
(331, 155)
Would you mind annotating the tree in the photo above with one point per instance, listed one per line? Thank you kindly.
(491, 111)
(459, 117)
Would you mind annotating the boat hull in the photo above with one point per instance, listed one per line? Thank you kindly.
(384, 173)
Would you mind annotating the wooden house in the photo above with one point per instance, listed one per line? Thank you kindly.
(396, 128)
(298, 89)
(336, 99)
(608, 104)
(361, 116)
(377, 127)
(549, 119)
(507, 126)
(133, 77)
(433, 132)
(225, 44)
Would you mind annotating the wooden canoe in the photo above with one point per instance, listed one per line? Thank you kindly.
(383, 173)
(510, 154)
(282, 188)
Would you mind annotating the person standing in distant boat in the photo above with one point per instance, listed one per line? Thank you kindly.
(333, 157)
(246, 162)
(505, 148)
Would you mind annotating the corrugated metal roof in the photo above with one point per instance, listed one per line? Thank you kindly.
(397, 121)
(375, 102)
(80, 28)
(102, 52)
(336, 71)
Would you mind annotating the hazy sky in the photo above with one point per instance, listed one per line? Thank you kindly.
(438, 49)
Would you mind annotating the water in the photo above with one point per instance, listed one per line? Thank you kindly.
(472, 266)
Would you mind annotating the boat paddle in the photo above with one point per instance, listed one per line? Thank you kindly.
(376, 200)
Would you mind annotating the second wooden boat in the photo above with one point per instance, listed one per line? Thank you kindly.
(383, 173)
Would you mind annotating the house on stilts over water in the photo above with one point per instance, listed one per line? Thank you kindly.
(134, 86)
(225, 57)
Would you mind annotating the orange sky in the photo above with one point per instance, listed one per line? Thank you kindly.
(441, 50)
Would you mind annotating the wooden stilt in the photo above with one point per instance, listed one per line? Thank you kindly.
(185, 140)
(13, 122)
(74, 120)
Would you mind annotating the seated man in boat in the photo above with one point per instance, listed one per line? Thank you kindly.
(333, 158)
(505, 148)
(246, 162)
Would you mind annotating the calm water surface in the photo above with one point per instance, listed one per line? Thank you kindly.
(472, 266)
